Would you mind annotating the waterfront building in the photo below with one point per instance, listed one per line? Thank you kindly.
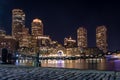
(54, 44)
(81, 37)
(92, 52)
(101, 38)
(43, 41)
(33, 41)
(58, 51)
(8, 42)
(43, 44)
(18, 22)
(69, 42)
(72, 52)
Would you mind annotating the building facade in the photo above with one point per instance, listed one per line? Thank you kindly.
(37, 27)
(18, 22)
(81, 37)
(25, 41)
(69, 42)
(92, 52)
(8, 42)
(101, 38)
(36, 30)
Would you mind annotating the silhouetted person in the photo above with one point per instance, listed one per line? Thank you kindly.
(4, 55)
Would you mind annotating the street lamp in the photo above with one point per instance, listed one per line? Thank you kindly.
(37, 62)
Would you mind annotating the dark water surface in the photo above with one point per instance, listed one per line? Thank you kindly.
(91, 64)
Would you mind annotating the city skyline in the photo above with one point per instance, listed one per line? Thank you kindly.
(61, 19)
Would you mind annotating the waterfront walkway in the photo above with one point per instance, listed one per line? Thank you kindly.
(11, 72)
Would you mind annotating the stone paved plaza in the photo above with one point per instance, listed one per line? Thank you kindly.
(10, 72)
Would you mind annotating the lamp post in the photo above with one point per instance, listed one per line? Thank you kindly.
(37, 62)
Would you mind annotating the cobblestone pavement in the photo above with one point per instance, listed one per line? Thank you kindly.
(37, 73)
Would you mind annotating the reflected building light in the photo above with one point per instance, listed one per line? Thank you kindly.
(50, 61)
(17, 62)
(60, 61)
(23, 61)
(20, 61)
(26, 60)
(55, 61)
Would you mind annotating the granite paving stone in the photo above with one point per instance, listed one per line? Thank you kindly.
(8, 72)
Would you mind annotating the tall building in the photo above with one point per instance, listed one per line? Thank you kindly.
(18, 22)
(37, 30)
(101, 38)
(8, 42)
(81, 37)
(37, 27)
(24, 42)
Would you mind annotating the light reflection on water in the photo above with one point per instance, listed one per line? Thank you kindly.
(94, 64)
(53, 63)
(117, 64)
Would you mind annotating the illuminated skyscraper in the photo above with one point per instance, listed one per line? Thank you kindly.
(37, 27)
(24, 42)
(81, 37)
(37, 30)
(18, 22)
(101, 38)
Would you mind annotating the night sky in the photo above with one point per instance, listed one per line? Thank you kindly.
(62, 18)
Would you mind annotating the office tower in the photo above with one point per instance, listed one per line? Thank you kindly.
(69, 42)
(24, 42)
(18, 22)
(37, 27)
(101, 38)
(81, 37)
